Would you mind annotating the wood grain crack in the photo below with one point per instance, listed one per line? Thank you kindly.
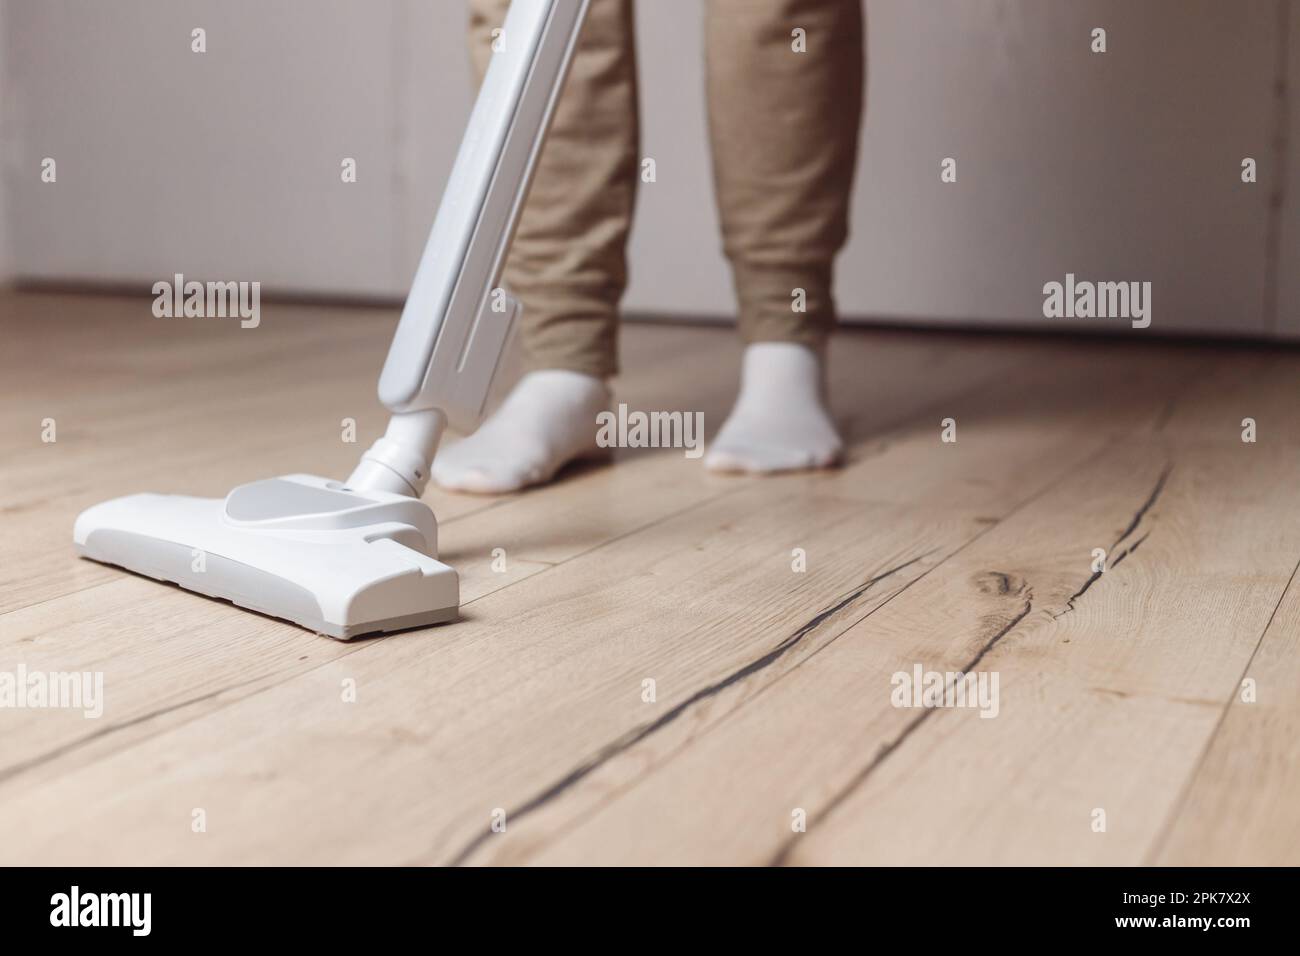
(782, 856)
(637, 734)
(48, 756)
(1132, 527)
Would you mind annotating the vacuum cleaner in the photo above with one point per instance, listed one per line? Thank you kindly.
(354, 557)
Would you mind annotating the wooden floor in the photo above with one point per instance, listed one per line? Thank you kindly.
(1120, 693)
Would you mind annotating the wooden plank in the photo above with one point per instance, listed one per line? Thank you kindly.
(1207, 411)
(1112, 703)
(205, 654)
(1240, 808)
(549, 670)
(1106, 704)
(881, 784)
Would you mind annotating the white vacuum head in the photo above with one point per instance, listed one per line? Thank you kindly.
(306, 549)
(361, 558)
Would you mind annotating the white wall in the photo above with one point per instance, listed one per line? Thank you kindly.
(7, 151)
(1123, 165)
(1288, 256)
(224, 164)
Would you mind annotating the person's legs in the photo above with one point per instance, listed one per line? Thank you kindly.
(785, 86)
(567, 262)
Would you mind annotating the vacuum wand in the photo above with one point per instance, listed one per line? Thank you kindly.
(361, 557)
(457, 321)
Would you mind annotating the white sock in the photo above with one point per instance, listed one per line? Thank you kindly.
(780, 421)
(547, 421)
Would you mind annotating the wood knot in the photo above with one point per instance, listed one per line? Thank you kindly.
(998, 582)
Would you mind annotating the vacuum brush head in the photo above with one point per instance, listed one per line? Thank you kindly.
(305, 549)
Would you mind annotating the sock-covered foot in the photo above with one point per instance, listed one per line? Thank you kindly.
(547, 421)
(780, 421)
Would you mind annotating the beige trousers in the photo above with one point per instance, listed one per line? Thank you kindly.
(783, 127)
